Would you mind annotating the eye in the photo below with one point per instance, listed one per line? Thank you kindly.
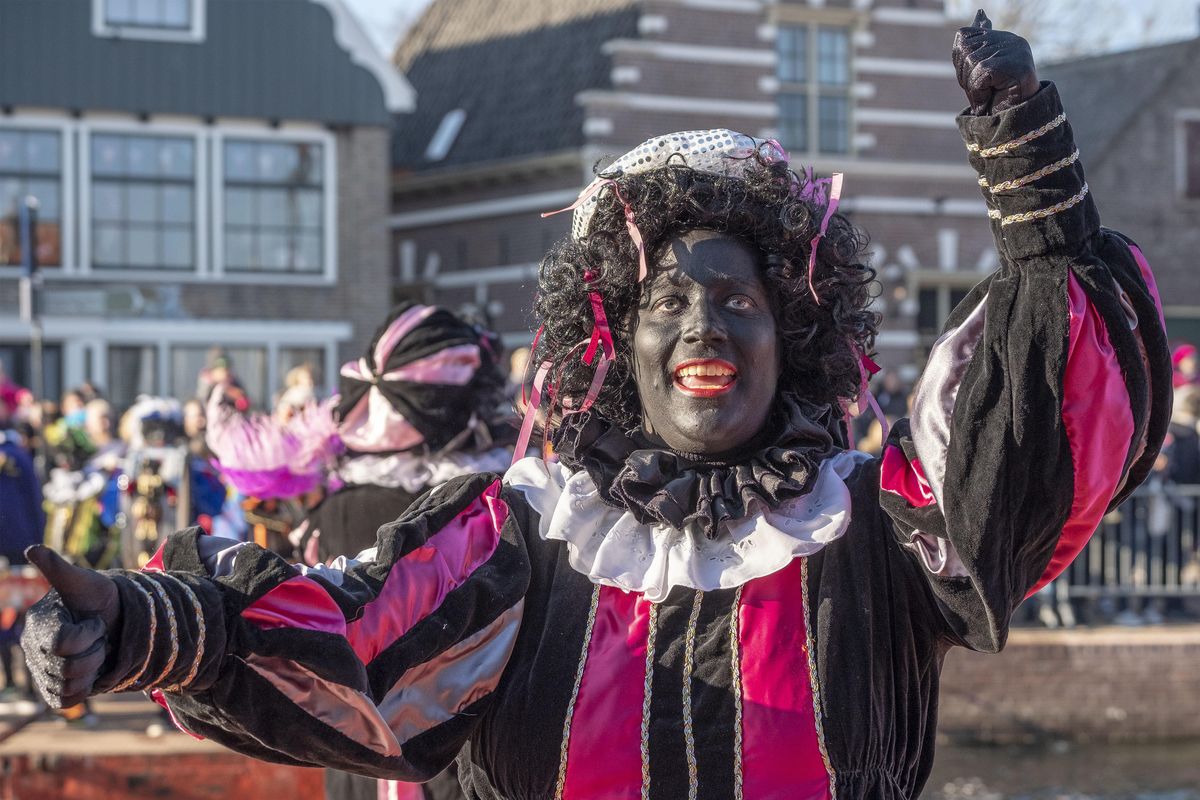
(669, 304)
(740, 302)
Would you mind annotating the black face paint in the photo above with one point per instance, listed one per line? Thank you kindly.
(705, 347)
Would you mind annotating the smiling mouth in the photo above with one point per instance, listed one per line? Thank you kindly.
(705, 377)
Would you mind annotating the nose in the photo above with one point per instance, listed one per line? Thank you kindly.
(704, 324)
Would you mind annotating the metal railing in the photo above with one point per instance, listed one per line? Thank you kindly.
(1148, 547)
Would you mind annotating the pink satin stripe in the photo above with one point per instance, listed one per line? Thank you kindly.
(1099, 427)
(1148, 277)
(297, 603)
(418, 582)
(400, 327)
(604, 757)
(155, 564)
(452, 366)
(906, 478)
(398, 790)
(374, 425)
(781, 755)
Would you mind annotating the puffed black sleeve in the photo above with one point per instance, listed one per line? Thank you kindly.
(382, 665)
(1047, 396)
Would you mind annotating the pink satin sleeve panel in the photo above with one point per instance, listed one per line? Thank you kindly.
(1099, 426)
(419, 582)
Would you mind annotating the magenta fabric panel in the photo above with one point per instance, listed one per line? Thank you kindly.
(1099, 427)
(905, 478)
(298, 602)
(604, 757)
(781, 751)
(418, 582)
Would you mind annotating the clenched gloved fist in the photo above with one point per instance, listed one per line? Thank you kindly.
(994, 68)
(66, 633)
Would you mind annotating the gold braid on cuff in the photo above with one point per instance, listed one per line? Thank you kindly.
(201, 635)
(1009, 146)
(132, 679)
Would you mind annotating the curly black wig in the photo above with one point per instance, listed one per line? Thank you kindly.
(822, 342)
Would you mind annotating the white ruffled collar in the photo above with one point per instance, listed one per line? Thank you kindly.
(612, 548)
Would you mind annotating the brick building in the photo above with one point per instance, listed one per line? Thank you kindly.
(520, 98)
(208, 172)
(1137, 119)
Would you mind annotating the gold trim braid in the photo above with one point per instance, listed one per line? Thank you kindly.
(648, 686)
(810, 653)
(201, 636)
(566, 737)
(1004, 149)
(689, 735)
(172, 625)
(735, 649)
(132, 679)
(1017, 183)
(1040, 213)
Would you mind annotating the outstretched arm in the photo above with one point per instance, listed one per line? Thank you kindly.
(382, 666)
(1047, 396)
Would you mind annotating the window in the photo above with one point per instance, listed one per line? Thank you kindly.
(171, 20)
(171, 14)
(17, 360)
(814, 97)
(143, 212)
(445, 135)
(248, 365)
(30, 164)
(934, 304)
(132, 371)
(1191, 160)
(290, 358)
(274, 206)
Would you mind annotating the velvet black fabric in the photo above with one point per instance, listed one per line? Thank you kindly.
(695, 492)
(349, 519)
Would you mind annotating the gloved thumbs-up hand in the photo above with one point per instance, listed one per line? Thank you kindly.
(66, 632)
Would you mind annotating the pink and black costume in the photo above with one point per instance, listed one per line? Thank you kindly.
(631, 622)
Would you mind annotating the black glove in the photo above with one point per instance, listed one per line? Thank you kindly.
(66, 632)
(994, 68)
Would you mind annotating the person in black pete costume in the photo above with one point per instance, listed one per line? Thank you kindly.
(707, 595)
(416, 410)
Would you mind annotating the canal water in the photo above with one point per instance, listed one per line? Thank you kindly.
(1062, 771)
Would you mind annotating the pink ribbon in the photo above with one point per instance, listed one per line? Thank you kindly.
(630, 220)
(814, 192)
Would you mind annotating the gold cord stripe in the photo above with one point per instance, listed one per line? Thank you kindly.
(1017, 183)
(810, 652)
(650, 635)
(689, 735)
(172, 626)
(734, 648)
(1049, 211)
(566, 737)
(132, 679)
(1003, 149)
(201, 636)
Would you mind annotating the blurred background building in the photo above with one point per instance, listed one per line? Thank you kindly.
(209, 172)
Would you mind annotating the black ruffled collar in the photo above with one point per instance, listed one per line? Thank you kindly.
(681, 490)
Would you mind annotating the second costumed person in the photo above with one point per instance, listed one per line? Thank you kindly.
(417, 409)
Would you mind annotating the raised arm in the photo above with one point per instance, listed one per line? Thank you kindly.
(382, 666)
(1047, 397)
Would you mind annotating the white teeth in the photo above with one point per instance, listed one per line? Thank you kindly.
(703, 370)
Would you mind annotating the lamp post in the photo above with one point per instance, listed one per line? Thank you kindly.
(31, 289)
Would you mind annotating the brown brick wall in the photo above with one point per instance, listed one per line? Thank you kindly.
(151, 776)
(1092, 685)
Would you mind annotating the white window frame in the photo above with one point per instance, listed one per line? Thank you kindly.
(65, 128)
(194, 33)
(1182, 117)
(88, 128)
(329, 193)
(813, 89)
(97, 335)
